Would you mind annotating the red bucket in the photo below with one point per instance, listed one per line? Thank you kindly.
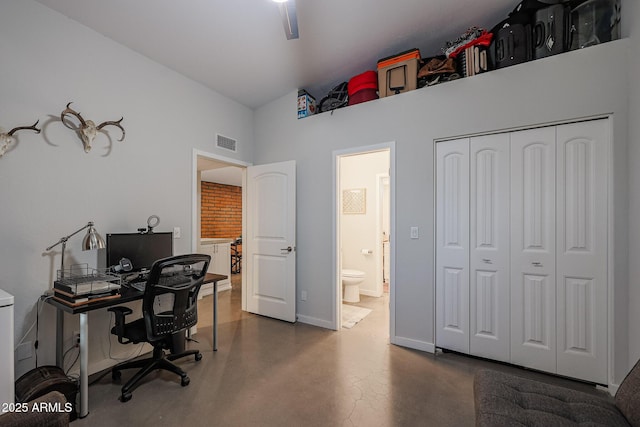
(363, 87)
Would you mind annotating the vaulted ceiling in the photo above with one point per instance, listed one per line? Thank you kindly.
(238, 47)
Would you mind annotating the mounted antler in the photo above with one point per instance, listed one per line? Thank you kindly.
(88, 128)
(7, 138)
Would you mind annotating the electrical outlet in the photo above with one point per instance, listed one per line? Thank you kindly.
(303, 295)
(177, 233)
(76, 338)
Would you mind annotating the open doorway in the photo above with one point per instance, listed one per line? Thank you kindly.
(363, 239)
(268, 232)
(218, 222)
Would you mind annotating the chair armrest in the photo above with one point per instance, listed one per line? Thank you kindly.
(118, 329)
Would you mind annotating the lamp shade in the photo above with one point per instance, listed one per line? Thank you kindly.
(92, 240)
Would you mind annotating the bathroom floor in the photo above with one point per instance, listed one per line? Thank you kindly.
(376, 322)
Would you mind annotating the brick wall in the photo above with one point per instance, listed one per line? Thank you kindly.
(221, 215)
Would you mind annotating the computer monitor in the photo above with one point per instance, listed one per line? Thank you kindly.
(141, 249)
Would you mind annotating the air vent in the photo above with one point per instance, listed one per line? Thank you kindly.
(225, 142)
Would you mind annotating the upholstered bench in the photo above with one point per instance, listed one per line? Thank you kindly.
(508, 400)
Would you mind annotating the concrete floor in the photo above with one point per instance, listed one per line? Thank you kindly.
(271, 373)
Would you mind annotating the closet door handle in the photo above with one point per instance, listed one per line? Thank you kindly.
(487, 261)
(536, 264)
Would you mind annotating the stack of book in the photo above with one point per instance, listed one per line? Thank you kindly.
(75, 294)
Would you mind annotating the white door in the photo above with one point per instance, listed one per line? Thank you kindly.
(533, 247)
(270, 242)
(452, 245)
(582, 250)
(489, 315)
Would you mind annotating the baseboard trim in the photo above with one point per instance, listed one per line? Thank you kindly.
(369, 293)
(414, 344)
(314, 321)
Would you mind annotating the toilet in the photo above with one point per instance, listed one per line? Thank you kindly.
(351, 280)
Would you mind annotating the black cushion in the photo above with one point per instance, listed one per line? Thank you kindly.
(134, 331)
(628, 396)
(508, 400)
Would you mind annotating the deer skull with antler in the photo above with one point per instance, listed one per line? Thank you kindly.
(88, 128)
(7, 139)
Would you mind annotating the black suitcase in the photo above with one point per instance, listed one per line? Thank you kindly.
(551, 31)
(511, 45)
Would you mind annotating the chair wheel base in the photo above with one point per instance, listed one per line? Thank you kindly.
(198, 357)
(185, 381)
(125, 397)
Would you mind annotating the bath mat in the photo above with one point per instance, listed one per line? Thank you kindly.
(352, 315)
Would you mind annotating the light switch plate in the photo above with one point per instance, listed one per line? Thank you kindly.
(415, 233)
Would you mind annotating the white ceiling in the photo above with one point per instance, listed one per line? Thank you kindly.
(238, 47)
(219, 172)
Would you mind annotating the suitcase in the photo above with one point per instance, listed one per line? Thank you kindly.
(512, 45)
(398, 73)
(594, 22)
(40, 381)
(551, 31)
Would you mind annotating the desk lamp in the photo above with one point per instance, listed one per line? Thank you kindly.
(92, 240)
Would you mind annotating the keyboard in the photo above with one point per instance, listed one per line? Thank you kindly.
(139, 286)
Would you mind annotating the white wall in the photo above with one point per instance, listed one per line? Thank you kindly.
(49, 187)
(359, 231)
(632, 14)
(573, 85)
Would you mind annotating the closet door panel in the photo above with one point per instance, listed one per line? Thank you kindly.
(582, 152)
(489, 247)
(533, 249)
(452, 245)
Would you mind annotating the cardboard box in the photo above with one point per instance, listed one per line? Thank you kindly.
(398, 73)
(306, 104)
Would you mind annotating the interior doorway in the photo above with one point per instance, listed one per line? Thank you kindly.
(219, 173)
(364, 212)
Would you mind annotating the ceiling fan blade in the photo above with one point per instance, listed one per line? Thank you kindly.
(289, 19)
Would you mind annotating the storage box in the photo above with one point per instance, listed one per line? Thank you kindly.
(363, 87)
(306, 104)
(398, 73)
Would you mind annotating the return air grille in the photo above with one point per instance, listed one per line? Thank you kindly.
(225, 142)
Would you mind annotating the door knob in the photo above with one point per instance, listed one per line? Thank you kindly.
(287, 249)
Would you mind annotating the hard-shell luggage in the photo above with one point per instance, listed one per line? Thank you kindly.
(512, 45)
(594, 22)
(551, 31)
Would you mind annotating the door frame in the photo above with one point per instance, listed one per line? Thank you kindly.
(337, 284)
(195, 215)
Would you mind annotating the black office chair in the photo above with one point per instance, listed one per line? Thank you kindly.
(169, 308)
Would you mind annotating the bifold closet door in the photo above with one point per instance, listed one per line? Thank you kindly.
(489, 247)
(452, 245)
(533, 248)
(582, 205)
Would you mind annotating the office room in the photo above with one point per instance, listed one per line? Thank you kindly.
(297, 366)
